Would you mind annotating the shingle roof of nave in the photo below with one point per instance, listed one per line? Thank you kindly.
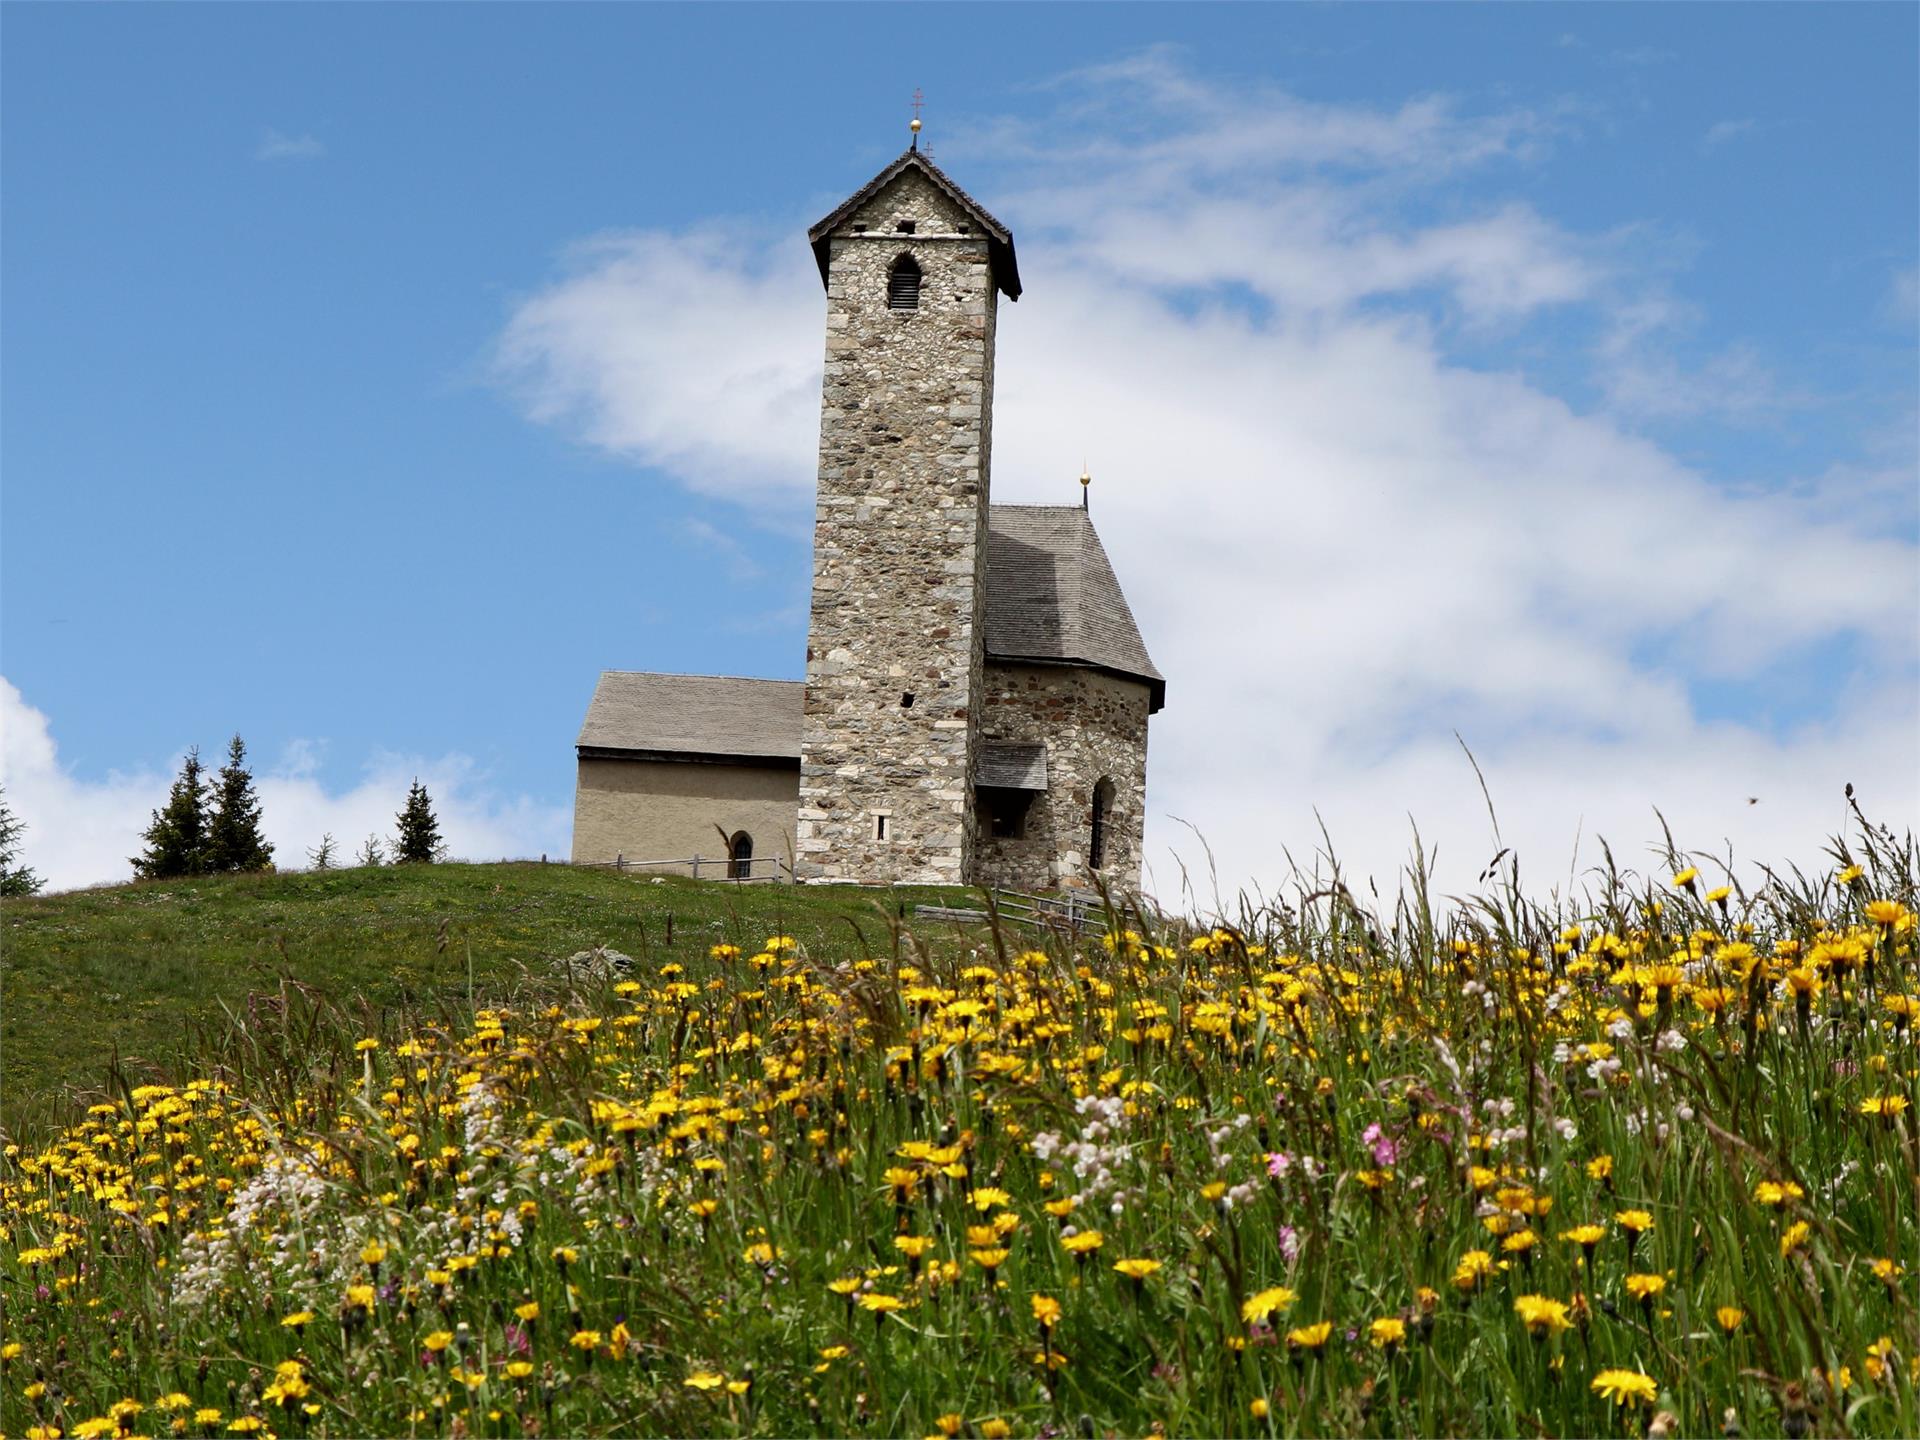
(1052, 595)
(725, 715)
(1052, 598)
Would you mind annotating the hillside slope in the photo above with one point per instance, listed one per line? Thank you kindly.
(142, 971)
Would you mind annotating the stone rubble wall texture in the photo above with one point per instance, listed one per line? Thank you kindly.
(669, 810)
(1095, 727)
(899, 549)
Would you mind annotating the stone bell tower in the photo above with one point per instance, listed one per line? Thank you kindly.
(895, 646)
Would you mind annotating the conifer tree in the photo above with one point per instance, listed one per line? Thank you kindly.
(371, 853)
(15, 878)
(177, 837)
(234, 841)
(418, 842)
(323, 857)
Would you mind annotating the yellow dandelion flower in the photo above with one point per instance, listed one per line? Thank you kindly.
(1542, 1315)
(1645, 1288)
(1474, 1267)
(1387, 1332)
(1259, 1307)
(1309, 1337)
(1625, 1387)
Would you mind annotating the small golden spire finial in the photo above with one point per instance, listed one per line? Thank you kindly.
(914, 124)
(1086, 483)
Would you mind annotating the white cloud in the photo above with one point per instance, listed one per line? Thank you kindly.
(84, 832)
(1725, 130)
(276, 146)
(682, 321)
(1342, 544)
(1642, 55)
(1902, 305)
(724, 552)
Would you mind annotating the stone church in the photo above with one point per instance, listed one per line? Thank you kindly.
(976, 696)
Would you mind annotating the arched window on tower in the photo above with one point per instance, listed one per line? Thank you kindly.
(740, 857)
(903, 284)
(1102, 818)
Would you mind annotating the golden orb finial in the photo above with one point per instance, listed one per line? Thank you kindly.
(914, 124)
(1086, 482)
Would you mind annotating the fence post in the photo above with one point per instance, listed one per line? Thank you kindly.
(619, 862)
(696, 867)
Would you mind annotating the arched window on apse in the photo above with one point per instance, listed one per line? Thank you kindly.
(740, 857)
(1102, 818)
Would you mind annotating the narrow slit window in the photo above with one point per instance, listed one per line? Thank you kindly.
(880, 827)
(903, 285)
(1102, 818)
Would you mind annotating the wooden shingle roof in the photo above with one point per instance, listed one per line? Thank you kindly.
(1000, 256)
(1052, 599)
(1011, 764)
(715, 717)
(1052, 595)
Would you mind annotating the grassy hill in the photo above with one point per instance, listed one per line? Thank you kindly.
(1623, 1169)
(148, 973)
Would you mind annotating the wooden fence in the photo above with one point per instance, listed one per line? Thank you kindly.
(1068, 911)
(760, 869)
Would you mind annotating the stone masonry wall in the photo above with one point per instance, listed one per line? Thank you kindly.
(1095, 726)
(899, 548)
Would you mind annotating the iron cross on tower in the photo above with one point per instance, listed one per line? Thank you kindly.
(914, 126)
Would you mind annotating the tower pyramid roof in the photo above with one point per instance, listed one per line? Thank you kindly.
(1006, 266)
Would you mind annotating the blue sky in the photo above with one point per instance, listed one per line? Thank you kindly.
(374, 376)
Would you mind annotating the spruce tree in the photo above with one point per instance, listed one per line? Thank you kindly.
(177, 837)
(371, 853)
(15, 878)
(418, 842)
(234, 841)
(322, 858)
